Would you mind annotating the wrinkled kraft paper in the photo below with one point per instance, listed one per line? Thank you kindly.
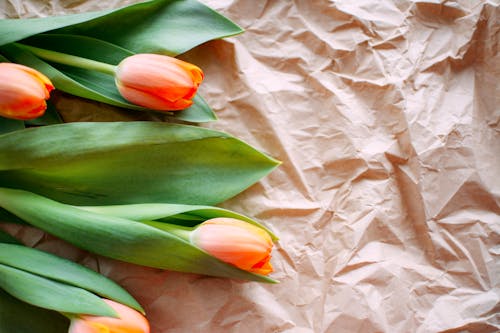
(386, 117)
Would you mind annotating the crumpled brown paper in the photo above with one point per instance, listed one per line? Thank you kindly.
(386, 117)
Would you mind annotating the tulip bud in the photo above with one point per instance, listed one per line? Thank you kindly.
(23, 91)
(158, 82)
(129, 321)
(236, 242)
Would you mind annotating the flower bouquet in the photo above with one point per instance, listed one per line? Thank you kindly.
(141, 192)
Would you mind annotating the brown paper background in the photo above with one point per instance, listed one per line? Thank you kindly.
(386, 117)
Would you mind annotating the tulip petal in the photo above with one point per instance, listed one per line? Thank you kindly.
(23, 91)
(130, 321)
(38, 76)
(158, 82)
(242, 244)
(155, 72)
(79, 326)
(263, 267)
(152, 101)
(16, 84)
(195, 72)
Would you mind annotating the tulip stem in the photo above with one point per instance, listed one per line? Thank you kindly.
(178, 230)
(71, 60)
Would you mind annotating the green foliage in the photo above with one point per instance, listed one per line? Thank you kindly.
(51, 267)
(9, 125)
(130, 162)
(185, 215)
(50, 294)
(160, 26)
(87, 83)
(116, 237)
(19, 317)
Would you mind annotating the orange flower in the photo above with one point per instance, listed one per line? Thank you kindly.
(23, 91)
(158, 82)
(130, 321)
(236, 242)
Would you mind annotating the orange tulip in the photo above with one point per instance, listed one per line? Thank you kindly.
(158, 82)
(23, 91)
(236, 242)
(130, 321)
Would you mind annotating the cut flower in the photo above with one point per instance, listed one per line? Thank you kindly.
(129, 321)
(154, 81)
(158, 82)
(236, 242)
(23, 91)
(136, 236)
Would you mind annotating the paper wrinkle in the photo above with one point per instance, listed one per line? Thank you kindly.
(386, 117)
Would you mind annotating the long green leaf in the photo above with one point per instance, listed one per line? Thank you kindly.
(10, 125)
(20, 317)
(161, 26)
(116, 237)
(65, 271)
(50, 294)
(198, 112)
(190, 215)
(12, 30)
(129, 162)
(91, 84)
(81, 46)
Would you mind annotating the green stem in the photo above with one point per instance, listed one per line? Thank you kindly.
(71, 60)
(178, 230)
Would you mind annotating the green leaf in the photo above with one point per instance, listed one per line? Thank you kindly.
(12, 30)
(86, 83)
(116, 237)
(9, 125)
(198, 112)
(186, 215)
(65, 271)
(161, 26)
(50, 294)
(81, 46)
(130, 162)
(20, 317)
